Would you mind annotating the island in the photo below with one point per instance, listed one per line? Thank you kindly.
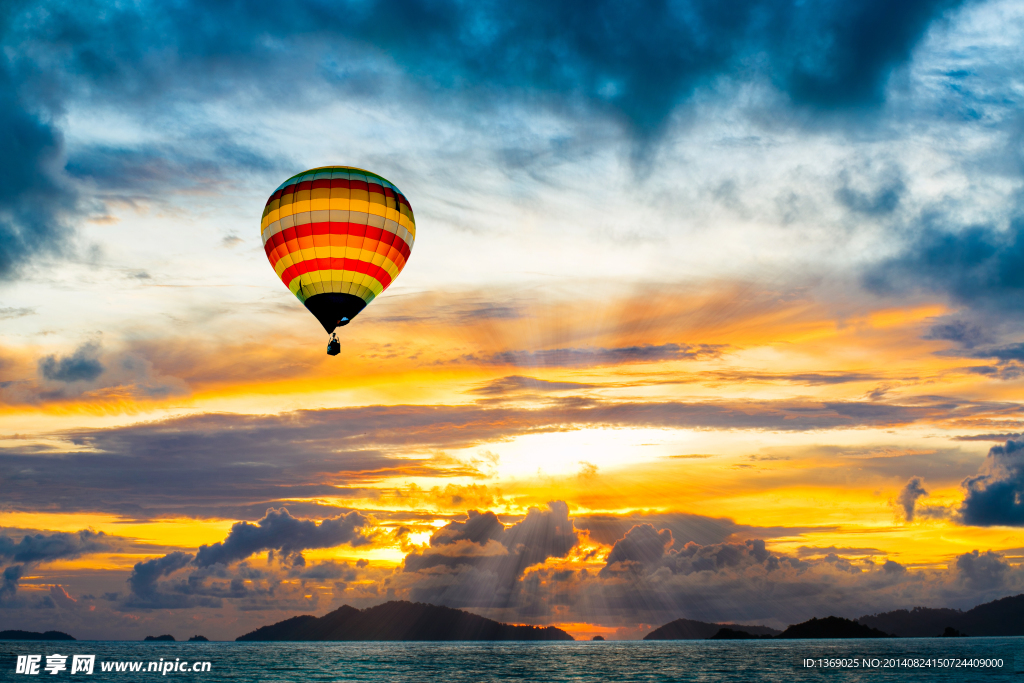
(598, 638)
(832, 627)
(198, 639)
(400, 620)
(689, 629)
(161, 639)
(33, 635)
(1003, 617)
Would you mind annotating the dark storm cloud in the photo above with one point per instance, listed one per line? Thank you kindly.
(279, 531)
(34, 549)
(33, 201)
(996, 496)
(239, 465)
(81, 366)
(639, 60)
(978, 264)
(632, 62)
(55, 546)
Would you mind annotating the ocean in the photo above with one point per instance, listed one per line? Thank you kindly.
(896, 659)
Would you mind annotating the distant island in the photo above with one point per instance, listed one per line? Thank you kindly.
(832, 627)
(198, 639)
(1003, 617)
(598, 638)
(400, 620)
(829, 627)
(689, 629)
(164, 638)
(34, 635)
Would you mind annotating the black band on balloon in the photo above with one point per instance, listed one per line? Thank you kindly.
(331, 308)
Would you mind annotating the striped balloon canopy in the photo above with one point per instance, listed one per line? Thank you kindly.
(337, 236)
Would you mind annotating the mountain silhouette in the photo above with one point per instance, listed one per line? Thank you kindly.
(831, 627)
(689, 629)
(1003, 617)
(400, 620)
(34, 635)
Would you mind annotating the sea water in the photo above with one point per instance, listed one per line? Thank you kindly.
(895, 659)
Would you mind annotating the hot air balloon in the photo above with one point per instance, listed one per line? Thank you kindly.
(337, 236)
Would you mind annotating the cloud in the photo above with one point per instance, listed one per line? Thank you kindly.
(154, 171)
(893, 567)
(61, 597)
(34, 549)
(279, 531)
(329, 570)
(637, 62)
(239, 465)
(964, 333)
(81, 366)
(978, 264)
(97, 375)
(634, 66)
(9, 588)
(644, 549)
(210, 581)
(144, 577)
(478, 528)
(985, 571)
(517, 383)
(648, 577)
(34, 202)
(909, 495)
(588, 357)
(478, 563)
(642, 545)
(879, 201)
(607, 529)
(1009, 361)
(10, 312)
(55, 546)
(1006, 353)
(995, 497)
(988, 437)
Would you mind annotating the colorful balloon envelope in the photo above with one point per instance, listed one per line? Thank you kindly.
(337, 236)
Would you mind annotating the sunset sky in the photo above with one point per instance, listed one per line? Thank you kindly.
(715, 310)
